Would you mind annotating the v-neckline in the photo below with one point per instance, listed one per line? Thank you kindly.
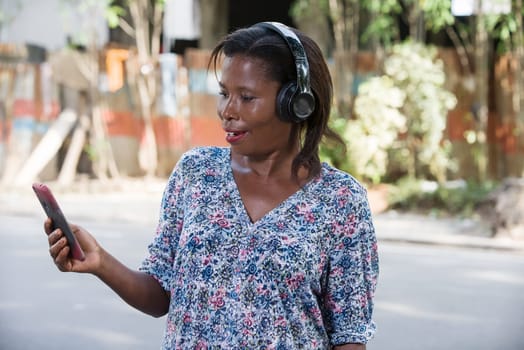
(242, 207)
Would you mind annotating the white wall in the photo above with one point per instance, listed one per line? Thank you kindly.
(48, 23)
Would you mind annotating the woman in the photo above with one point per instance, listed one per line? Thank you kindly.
(259, 245)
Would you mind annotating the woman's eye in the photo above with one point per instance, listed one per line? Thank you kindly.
(222, 94)
(247, 98)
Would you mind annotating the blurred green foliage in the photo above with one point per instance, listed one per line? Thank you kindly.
(453, 198)
(399, 120)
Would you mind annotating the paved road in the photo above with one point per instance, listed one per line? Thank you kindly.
(42, 308)
(429, 297)
(434, 297)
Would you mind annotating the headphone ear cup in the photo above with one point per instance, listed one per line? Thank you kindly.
(285, 102)
(303, 105)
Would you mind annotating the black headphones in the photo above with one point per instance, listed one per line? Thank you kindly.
(295, 101)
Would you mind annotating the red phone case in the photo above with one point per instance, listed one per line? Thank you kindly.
(52, 210)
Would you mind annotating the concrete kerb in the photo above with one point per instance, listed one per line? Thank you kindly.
(453, 232)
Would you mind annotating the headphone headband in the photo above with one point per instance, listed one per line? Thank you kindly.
(299, 54)
(295, 101)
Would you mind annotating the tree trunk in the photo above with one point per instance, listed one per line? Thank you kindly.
(214, 22)
(416, 22)
(339, 52)
(147, 36)
(481, 87)
(518, 91)
(461, 51)
(149, 151)
(345, 16)
(9, 162)
(354, 36)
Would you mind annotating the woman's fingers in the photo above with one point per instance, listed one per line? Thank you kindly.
(62, 260)
(59, 250)
(48, 227)
(56, 244)
(54, 237)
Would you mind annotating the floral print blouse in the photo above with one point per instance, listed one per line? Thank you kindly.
(301, 277)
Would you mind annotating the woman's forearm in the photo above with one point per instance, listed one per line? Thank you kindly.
(136, 288)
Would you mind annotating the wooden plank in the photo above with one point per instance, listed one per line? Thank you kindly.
(68, 170)
(47, 148)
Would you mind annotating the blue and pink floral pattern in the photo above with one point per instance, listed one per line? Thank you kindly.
(301, 277)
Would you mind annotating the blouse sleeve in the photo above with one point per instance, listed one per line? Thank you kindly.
(352, 275)
(162, 250)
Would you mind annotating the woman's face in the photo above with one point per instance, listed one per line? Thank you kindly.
(246, 107)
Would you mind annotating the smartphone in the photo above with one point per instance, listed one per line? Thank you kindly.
(52, 210)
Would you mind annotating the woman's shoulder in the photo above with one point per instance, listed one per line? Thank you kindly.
(204, 156)
(340, 181)
(211, 152)
(200, 160)
(343, 191)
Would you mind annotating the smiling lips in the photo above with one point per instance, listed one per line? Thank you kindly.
(234, 136)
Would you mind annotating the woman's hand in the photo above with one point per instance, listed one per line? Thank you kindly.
(60, 250)
(138, 289)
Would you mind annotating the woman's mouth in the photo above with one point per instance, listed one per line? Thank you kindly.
(234, 136)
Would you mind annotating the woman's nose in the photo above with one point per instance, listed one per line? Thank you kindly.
(227, 109)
